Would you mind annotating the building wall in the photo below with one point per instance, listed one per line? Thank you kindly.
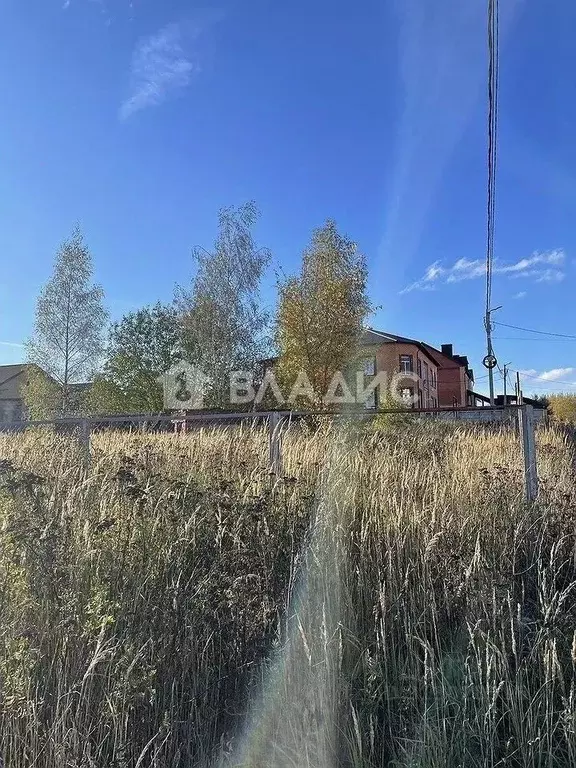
(11, 381)
(453, 381)
(11, 410)
(452, 389)
(388, 360)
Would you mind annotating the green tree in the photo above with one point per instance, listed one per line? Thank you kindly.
(141, 348)
(225, 327)
(67, 339)
(41, 394)
(321, 311)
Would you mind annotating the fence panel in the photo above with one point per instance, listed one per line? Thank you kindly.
(523, 417)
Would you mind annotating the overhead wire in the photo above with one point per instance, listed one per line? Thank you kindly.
(493, 68)
(532, 330)
(549, 336)
(527, 338)
(493, 65)
(512, 383)
(548, 381)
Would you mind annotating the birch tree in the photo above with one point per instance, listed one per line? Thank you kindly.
(224, 323)
(68, 336)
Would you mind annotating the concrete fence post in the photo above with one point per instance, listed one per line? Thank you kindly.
(528, 437)
(275, 443)
(85, 440)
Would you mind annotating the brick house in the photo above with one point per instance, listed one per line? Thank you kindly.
(391, 354)
(455, 378)
(445, 379)
(437, 378)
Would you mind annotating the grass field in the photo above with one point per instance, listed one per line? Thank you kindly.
(391, 601)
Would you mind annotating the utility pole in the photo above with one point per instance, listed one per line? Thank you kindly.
(490, 350)
(519, 398)
(505, 374)
(490, 361)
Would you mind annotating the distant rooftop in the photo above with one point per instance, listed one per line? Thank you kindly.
(372, 337)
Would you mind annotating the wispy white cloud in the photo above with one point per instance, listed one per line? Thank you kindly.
(11, 344)
(433, 275)
(555, 374)
(465, 269)
(556, 377)
(545, 267)
(520, 295)
(163, 64)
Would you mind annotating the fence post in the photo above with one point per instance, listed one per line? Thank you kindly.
(275, 443)
(85, 440)
(527, 434)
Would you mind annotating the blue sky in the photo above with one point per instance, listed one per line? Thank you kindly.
(141, 119)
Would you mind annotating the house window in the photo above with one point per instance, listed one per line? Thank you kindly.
(433, 377)
(407, 395)
(419, 368)
(369, 366)
(406, 364)
(420, 401)
(425, 376)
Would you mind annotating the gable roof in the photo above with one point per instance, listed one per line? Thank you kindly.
(12, 379)
(459, 360)
(372, 337)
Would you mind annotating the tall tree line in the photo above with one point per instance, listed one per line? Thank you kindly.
(217, 322)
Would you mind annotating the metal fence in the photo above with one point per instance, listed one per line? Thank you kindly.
(521, 417)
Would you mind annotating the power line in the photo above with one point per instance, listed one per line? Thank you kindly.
(512, 385)
(492, 145)
(527, 338)
(531, 330)
(493, 65)
(548, 381)
(545, 389)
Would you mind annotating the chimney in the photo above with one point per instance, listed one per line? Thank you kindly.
(447, 350)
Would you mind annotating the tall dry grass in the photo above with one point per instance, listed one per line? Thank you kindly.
(390, 600)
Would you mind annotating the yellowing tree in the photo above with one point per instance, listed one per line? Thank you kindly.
(563, 408)
(321, 312)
